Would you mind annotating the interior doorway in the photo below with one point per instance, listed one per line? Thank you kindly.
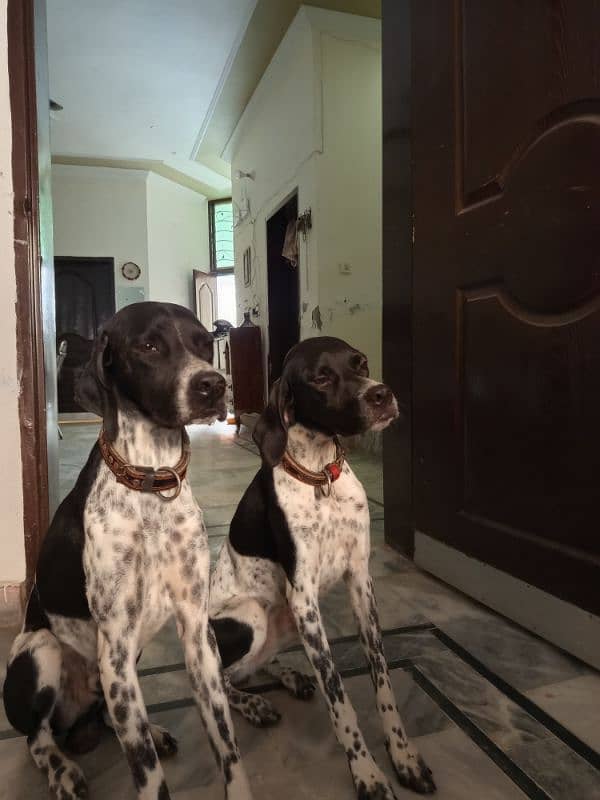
(283, 288)
(85, 299)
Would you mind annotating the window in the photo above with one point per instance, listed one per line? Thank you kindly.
(222, 258)
(220, 225)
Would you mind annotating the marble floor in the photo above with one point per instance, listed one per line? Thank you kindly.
(497, 712)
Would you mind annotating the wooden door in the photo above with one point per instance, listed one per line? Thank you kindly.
(205, 297)
(506, 298)
(506, 286)
(85, 299)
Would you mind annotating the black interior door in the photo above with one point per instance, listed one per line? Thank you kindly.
(85, 299)
(284, 290)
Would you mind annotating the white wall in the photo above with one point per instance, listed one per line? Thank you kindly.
(177, 239)
(132, 215)
(349, 194)
(12, 541)
(277, 139)
(314, 124)
(101, 211)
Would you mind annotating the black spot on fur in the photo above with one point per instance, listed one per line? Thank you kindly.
(25, 704)
(141, 757)
(234, 639)
(60, 563)
(259, 527)
(163, 792)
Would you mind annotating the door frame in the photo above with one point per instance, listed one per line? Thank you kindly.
(32, 233)
(397, 271)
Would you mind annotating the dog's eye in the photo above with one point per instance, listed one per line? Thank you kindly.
(322, 379)
(150, 347)
(360, 364)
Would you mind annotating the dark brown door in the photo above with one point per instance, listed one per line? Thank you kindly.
(284, 289)
(506, 286)
(85, 299)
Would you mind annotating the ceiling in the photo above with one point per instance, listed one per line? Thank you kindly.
(149, 84)
(137, 78)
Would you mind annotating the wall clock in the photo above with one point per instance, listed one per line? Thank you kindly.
(131, 271)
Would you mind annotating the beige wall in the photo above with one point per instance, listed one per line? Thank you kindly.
(277, 138)
(314, 124)
(100, 211)
(12, 548)
(177, 239)
(132, 215)
(349, 195)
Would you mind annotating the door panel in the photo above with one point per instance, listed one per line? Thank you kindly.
(506, 277)
(85, 300)
(205, 289)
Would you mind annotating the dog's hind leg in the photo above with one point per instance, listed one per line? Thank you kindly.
(255, 708)
(298, 684)
(31, 694)
(247, 640)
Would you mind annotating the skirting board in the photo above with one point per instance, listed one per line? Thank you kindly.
(563, 624)
(11, 604)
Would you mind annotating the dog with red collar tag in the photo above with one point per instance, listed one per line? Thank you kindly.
(292, 538)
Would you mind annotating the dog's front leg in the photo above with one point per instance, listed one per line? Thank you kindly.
(410, 767)
(116, 661)
(369, 780)
(188, 586)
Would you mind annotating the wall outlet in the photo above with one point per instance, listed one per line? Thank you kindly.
(345, 269)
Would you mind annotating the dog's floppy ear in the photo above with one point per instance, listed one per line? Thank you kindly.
(271, 431)
(93, 388)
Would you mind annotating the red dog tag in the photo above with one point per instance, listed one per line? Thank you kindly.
(334, 471)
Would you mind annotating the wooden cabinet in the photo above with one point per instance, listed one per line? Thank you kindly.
(246, 370)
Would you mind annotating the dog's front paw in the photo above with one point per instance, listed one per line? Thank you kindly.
(166, 744)
(375, 790)
(412, 771)
(371, 783)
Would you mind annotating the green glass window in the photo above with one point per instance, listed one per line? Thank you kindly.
(220, 220)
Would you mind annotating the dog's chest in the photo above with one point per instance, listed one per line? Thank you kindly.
(133, 548)
(331, 532)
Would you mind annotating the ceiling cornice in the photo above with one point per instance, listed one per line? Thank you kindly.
(264, 32)
(148, 165)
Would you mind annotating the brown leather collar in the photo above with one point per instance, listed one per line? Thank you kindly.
(323, 479)
(147, 479)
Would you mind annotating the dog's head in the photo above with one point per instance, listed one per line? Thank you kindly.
(158, 358)
(324, 386)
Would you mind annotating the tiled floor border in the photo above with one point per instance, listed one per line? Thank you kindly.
(556, 728)
(477, 736)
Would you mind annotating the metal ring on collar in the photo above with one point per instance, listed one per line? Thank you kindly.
(328, 484)
(169, 497)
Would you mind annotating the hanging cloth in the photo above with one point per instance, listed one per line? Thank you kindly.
(290, 243)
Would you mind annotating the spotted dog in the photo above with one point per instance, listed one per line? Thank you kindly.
(301, 526)
(126, 548)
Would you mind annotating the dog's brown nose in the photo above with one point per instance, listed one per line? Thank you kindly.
(208, 384)
(379, 395)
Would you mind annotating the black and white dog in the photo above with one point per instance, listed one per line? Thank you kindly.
(126, 548)
(301, 526)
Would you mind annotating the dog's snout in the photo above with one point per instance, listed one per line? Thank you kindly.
(208, 384)
(379, 395)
